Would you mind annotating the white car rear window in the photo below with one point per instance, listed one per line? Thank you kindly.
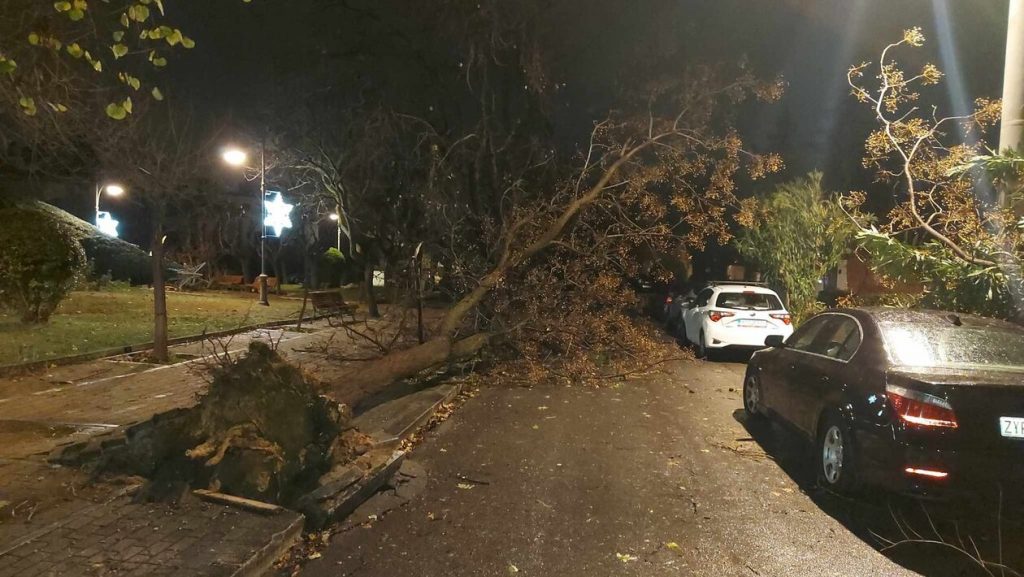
(748, 301)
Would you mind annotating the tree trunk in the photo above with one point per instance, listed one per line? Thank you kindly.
(371, 297)
(350, 387)
(246, 270)
(310, 276)
(159, 297)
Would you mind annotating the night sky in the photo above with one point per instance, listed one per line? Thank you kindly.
(252, 57)
(248, 51)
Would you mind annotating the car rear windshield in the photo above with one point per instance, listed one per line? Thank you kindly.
(748, 301)
(954, 347)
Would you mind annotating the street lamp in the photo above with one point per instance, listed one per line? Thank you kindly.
(238, 157)
(336, 218)
(111, 190)
(235, 157)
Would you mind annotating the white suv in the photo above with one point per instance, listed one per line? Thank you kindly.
(734, 315)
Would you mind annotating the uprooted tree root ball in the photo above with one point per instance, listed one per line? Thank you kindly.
(262, 431)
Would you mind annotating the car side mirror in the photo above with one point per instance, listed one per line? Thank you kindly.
(774, 341)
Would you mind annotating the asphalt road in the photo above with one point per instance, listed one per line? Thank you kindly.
(655, 476)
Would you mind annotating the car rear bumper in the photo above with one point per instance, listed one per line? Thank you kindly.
(911, 468)
(722, 336)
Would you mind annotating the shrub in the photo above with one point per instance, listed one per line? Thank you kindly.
(110, 256)
(117, 259)
(799, 234)
(332, 267)
(39, 263)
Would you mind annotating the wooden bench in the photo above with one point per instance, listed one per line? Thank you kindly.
(229, 281)
(332, 305)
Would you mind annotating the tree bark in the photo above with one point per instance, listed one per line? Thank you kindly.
(159, 297)
(350, 387)
(280, 271)
(310, 276)
(371, 297)
(246, 270)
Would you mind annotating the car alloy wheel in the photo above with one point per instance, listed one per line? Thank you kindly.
(752, 397)
(832, 455)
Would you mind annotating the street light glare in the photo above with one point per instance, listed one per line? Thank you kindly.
(235, 157)
(333, 216)
(114, 189)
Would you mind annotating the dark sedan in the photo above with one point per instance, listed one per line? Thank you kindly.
(922, 402)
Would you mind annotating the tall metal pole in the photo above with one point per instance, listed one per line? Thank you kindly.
(96, 214)
(1011, 130)
(263, 223)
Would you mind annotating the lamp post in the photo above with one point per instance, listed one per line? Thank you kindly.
(236, 157)
(110, 189)
(1011, 129)
(337, 218)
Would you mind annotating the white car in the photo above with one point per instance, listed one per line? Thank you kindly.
(734, 315)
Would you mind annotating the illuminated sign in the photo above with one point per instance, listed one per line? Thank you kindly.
(106, 224)
(277, 212)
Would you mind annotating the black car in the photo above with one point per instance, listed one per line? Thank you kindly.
(921, 402)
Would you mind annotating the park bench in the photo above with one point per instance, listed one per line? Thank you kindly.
(331, 305)
(229, 281)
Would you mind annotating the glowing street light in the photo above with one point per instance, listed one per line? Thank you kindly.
(337, 218)
(111, 190)
(235, 157)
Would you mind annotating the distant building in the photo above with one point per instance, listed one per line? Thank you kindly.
(854, 277)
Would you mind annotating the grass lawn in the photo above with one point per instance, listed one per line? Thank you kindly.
(92, 321)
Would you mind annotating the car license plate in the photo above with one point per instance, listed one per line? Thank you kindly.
(751, 323)
(1012, 427)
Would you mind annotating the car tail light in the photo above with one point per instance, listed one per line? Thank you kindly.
(921, 409)
(668, 300)
(716, 316)
(785, 318)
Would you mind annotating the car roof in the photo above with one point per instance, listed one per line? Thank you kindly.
(931, 317)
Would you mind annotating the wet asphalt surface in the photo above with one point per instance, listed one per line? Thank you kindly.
(654, 476)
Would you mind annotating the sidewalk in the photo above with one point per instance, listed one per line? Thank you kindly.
(54, 520)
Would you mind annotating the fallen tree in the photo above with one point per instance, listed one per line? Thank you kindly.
(659, 183)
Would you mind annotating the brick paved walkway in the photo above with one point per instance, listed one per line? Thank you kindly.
(125, 539)
(56, 521)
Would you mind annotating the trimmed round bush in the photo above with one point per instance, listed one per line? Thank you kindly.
(121, 260)
(40, 259)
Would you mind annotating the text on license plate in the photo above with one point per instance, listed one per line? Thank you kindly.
(751, 323)
(1012, 427)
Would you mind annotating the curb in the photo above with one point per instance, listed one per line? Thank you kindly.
(323, 507)
(262, 561)
(33, 366)
(421, 420)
